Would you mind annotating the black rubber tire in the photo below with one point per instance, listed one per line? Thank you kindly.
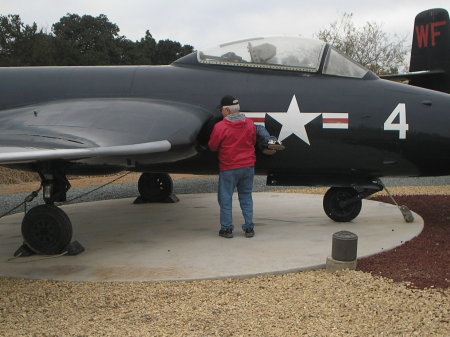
(332, 208)
(46, 229)
(155, 186)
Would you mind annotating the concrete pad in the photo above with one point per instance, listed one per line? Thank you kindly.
(154, 242)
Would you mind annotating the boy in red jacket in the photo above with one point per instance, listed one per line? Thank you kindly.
(234, 137)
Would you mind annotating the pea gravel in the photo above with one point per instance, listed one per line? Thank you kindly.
(315, 303)
(347, 303)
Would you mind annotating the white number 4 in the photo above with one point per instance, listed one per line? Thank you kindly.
(401, 126)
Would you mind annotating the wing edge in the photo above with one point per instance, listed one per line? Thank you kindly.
(52, 154)
(413, 75)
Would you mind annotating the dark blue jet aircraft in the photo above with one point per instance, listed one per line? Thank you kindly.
(342, 125)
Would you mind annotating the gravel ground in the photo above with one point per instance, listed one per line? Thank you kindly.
(207, 185)
(366, 302)
(424, 261)
(315, 303)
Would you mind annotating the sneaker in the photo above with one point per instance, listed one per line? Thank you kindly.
(249, 233)
(275, 145)
(226, 233)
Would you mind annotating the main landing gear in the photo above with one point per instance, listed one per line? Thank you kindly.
(46, 229)
(343, 204)
(155, 187)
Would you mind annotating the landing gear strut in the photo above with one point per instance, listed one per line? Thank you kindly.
(46, 229)
(343, 204)
(155, 187)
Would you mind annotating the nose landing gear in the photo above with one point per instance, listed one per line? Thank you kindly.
(336, 207)
(343, 204)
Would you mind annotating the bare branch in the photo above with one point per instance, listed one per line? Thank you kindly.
(369, 45)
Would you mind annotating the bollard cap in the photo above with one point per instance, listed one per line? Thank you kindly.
(344, 246)
(345, 235)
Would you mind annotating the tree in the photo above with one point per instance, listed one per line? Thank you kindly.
(23, 45)
(168, 51)
(80, 40)
(140, 52)
(370, 45)
(40, 50)
(87, 40)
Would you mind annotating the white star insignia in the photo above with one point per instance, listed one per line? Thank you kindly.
(294, 121)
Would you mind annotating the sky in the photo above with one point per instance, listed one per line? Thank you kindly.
(202, 23)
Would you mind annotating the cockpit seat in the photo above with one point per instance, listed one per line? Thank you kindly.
(262, 53)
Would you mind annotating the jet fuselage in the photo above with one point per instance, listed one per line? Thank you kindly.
(382, 128)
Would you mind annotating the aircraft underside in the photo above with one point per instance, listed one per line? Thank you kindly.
(46, 229)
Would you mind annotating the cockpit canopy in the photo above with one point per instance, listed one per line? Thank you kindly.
(283, 53)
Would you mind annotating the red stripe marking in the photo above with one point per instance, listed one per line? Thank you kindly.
(335, 120)
(258, 120)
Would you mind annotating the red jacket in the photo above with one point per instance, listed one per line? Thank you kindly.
(235, 142)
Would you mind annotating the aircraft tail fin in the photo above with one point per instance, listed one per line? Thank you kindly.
(431, 50)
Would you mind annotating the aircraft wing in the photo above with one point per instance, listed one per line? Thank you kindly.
(15, 155)
(100, 130)
(414, 75)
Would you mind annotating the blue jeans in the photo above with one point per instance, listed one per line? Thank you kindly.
(242, 179)
(263, 136)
